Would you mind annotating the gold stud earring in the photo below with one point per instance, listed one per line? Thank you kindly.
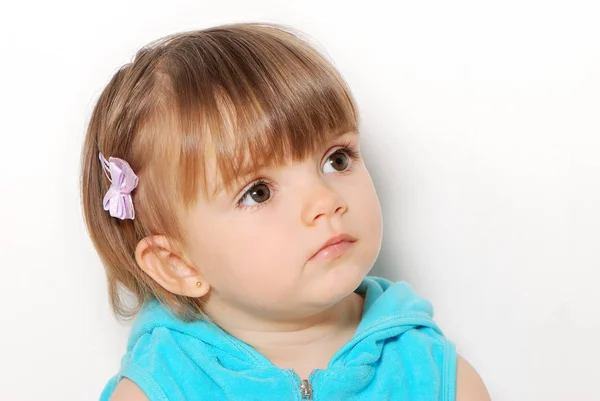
(198, 284)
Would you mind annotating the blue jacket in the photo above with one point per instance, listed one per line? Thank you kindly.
(397, 353)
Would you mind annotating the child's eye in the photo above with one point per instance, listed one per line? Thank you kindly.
(258, 193)
(340, 160)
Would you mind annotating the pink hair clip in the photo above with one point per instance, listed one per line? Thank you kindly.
(117, 200)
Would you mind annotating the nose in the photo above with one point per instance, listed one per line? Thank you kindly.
(322, 202)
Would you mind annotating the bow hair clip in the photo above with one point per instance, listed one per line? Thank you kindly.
(117, 200)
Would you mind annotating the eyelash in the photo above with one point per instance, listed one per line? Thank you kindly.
(347, 147)
(256, 183)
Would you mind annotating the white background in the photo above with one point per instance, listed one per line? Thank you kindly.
(481, 128)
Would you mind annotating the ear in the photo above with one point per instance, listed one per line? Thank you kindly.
(155, 257)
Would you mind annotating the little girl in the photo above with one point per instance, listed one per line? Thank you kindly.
(223, 187)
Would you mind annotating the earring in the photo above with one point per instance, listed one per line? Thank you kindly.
(198, 284)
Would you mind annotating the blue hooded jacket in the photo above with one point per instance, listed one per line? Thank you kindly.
(397, 353)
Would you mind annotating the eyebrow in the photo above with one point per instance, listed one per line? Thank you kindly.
(241, 178)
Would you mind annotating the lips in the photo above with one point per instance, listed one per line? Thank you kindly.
(334, 247)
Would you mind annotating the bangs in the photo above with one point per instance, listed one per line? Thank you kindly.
(250, 97)
(271, 131)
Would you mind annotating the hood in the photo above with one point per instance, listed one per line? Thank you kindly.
(389, 310)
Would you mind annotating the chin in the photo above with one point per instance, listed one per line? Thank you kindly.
(339, 281)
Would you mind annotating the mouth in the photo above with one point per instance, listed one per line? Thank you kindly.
(334, 247)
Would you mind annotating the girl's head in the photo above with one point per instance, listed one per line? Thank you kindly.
(245, 142)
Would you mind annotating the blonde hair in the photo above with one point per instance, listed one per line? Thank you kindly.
(253, 94)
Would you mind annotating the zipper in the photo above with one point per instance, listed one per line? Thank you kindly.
(305, 390)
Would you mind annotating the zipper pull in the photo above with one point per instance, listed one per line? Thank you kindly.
(306, 390)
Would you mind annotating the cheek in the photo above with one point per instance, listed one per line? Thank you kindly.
(255, 247)
(367, 209)
(251, 260)
(375, 210)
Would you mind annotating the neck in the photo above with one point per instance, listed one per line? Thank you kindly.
(314, 339)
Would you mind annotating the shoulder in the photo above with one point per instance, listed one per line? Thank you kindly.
(127, 390)
(469, 386)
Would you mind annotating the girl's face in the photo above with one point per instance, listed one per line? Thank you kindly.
(255, 245)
